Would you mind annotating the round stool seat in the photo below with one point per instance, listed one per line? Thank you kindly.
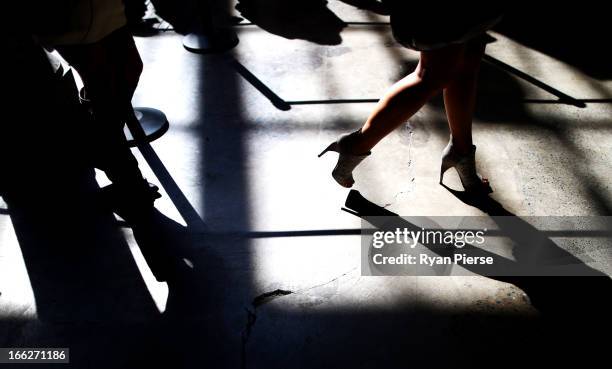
(153, 122)
(218, 40)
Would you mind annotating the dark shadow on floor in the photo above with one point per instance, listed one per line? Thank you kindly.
(309, 20)
(90, 295)
(533, 252)
(374, 6)
(312, 328)
(556, 297)
(181, 14)
(570, 307)
(576, 34)
(87, 288)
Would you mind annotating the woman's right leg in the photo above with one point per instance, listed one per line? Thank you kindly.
(434, 72)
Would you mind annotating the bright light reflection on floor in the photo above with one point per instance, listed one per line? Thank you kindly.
(158, 290)
(16, 293)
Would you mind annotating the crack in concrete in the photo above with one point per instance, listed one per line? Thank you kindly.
(264, 298)
(326, 283)
(268, 296)
(410, 130)
(395, 198)
(251, 315)
(246, 334)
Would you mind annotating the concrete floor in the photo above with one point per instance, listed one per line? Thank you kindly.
(259, 214)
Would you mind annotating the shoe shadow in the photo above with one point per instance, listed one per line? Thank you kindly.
(552, 296)
(481, 201)
(556, 295)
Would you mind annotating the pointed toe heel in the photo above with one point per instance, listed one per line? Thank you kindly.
(347, 161)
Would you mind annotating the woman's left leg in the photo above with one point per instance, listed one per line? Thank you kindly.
(459, 101)
(460, 97)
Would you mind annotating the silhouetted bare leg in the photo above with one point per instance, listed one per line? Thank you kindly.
(460, 98)
(434, 72)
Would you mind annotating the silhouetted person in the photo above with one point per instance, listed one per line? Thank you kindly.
(95, 40)
(451, 48)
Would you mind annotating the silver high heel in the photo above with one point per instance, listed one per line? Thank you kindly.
(465, 165)
(343, 172)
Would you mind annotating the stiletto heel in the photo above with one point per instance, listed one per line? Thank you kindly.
(446, 165)
(347, 161)
(465, 165)
(332, 147)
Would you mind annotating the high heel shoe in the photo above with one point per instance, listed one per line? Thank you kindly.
(347, 161)
(465, 165)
